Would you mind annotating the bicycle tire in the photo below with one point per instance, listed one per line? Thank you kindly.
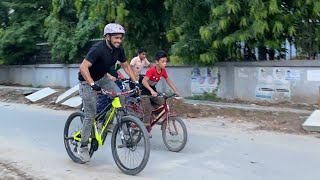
(184, 134)
(144, 138)
(71, 152)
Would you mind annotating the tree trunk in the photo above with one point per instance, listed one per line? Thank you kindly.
(262, 53)
(271, 53)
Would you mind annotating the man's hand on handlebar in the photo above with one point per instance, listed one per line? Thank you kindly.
(137, 85)
(95, 87)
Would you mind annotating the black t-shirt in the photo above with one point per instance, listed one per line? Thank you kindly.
(102, 58)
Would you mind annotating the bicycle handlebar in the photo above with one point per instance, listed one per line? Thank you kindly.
(165, 96)
(125, 80)
(105, 92)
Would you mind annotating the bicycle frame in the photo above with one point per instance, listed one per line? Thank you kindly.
(99, 136)
(116, 105)
(164, 109)
(161, 111)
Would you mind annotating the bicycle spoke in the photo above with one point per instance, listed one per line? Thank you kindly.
(130, 154)
(174, 134)
(73, 127)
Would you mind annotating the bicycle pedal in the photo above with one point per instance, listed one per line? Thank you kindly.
(122, 146)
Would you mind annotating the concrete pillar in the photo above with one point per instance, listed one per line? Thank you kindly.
(66, 75)
(319, 98)
(230, 81)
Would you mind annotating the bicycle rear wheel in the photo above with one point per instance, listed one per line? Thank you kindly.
(73, 126)
(174, 134)
(130, 156)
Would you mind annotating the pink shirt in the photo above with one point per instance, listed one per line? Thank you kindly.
(138, 64)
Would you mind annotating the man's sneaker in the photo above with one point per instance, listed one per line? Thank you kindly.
(84, 153)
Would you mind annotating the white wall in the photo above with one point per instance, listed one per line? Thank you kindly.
(237, 79)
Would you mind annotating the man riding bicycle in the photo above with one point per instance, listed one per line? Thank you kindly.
(92, 77)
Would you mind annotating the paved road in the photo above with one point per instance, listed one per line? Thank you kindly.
(31, 145)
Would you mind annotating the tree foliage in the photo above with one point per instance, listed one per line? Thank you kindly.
(233, 29)
(21, 28)
(145, 26)
(198, 32)
(186, 17)
(72, 24)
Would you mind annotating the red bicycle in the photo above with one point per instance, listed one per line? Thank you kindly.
(174, 131)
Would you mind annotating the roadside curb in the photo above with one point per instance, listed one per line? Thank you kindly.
(247, 106)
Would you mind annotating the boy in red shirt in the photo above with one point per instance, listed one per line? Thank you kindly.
(149, 93)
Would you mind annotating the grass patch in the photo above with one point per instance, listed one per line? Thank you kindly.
(205, 96)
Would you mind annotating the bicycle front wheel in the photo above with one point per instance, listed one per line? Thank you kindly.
(174, 134)
(72, 127)
(130, 155)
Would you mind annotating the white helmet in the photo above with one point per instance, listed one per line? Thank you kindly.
(113, 28)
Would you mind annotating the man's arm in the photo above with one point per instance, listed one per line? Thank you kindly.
(170, 83)
(120, 75)
(84, 70)
(128, 71)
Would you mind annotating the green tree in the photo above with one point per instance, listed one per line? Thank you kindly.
(210, 31)
(145, 26)
(245, 25)
(21, 28)
(72, 24)
(307, 23)
(186, 17)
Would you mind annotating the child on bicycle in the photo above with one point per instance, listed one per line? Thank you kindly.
(149, 93)
(138, 63)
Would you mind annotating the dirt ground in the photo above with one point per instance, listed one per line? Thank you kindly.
(286, 122)
(9, 172)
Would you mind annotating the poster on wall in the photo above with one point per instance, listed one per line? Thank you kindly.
(204, 80)
(313, 75)
(272, 83)
(264, 93)
(281, 93)
(262, 74)
(242, 73)
(278, 74)
(291, 74)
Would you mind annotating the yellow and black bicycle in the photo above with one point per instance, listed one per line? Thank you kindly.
(130, 155)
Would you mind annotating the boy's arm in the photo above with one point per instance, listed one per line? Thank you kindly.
(148, 63)
(170, 83)
(146, 85)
